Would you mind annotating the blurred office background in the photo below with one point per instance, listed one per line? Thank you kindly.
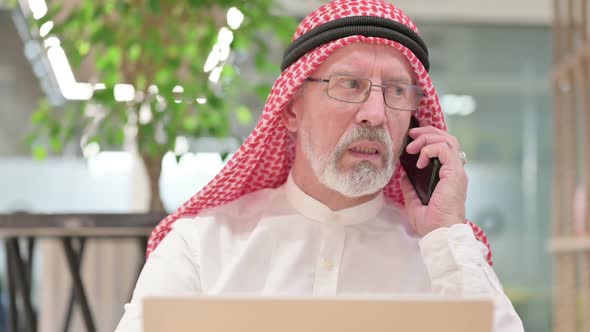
(490, 63)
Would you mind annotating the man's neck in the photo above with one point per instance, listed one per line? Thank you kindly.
(311, 186)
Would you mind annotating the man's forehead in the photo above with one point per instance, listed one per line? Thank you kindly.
(359, 59)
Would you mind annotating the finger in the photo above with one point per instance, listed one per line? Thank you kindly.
(427, 139)
(427, 129)
(447, 156)
(418, 131)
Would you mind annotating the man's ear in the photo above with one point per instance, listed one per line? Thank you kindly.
(292, 112)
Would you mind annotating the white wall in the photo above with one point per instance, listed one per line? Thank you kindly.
(498, 11)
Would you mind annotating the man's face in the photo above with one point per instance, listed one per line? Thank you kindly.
(352, 148)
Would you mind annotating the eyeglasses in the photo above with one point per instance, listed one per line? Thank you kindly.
(351, 89)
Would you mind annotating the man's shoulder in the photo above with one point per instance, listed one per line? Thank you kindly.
(255, 204)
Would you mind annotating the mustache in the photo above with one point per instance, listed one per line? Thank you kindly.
(378, 134)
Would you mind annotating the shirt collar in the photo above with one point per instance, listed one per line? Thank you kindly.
(317, 211)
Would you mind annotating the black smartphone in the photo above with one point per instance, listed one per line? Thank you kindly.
(423, 180)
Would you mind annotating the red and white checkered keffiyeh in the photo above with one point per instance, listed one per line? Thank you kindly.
(266, 157)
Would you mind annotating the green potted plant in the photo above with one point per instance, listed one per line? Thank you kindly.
(164, 69)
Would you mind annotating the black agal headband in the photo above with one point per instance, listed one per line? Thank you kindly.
(368, 26)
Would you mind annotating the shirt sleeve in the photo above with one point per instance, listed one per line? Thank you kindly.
(172, 269)
(456, 266)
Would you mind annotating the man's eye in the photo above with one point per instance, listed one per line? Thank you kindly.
(397, 90)
(350, 83)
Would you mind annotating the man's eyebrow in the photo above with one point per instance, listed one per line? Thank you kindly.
(399, 79)
(346, 71)
(350, 71)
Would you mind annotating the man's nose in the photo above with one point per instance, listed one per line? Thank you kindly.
(372, 111)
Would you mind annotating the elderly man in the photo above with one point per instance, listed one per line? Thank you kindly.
(315, 202)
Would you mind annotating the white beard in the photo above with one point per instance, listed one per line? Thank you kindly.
(363, 178)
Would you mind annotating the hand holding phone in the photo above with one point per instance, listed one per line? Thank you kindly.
(423, 180)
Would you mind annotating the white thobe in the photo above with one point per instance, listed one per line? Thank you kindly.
(284, 242)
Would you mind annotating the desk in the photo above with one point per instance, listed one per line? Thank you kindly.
(16, 228)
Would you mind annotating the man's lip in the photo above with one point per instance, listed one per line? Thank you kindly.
(367, 145)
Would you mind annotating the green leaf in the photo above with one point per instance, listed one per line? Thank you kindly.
(104, 65)
(190, 123)
(56, 144)
(103, 35)
(134, 52)
(215, 102)
(262, 91)
(220, 131)
(105, 96)
(216, 119)
(114, 55)
(74, 58)
(210, 34)
(263, 64)
(110, 6)
(120, 136)
(154, 149)
(39, 152)
(83, 47)
(122, 7)
(54, 129)
(243, 115)
(153, 39)
(140, 82)
(190, 50)
(39, 116)
(195, 4)
(285, 28)
(111, 128)
(31, 138)
(228, 72)
(111, 78)
(172, 51)
(155, 6)
(164, 76)
(88, 9)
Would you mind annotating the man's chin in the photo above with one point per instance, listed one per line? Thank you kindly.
(363, 180)
(361, 165)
